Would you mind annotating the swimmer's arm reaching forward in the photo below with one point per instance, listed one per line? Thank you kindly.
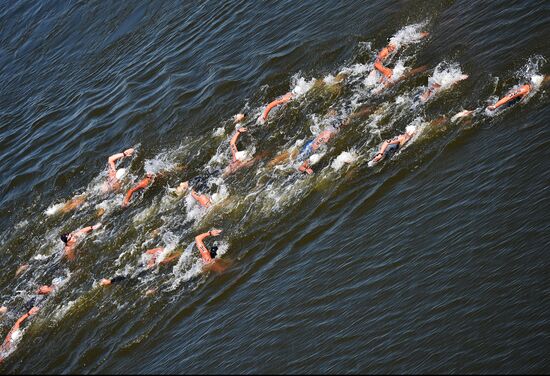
(115, 157)
(205, 253)
(233, 142)
(86, 230)
(383, 148)
(387, 72)
(285, 98)
(521, 92)
(7, 342)
(141, 185)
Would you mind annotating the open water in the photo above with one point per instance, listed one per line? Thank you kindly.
(434, 261)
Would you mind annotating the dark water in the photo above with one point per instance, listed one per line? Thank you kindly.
(434, 261)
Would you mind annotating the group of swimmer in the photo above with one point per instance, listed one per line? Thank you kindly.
(198, 187)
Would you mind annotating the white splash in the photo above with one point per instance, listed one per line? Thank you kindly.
(446, 75)
(243, 155)
(329, 80)
(356, 69)
(408, 35)
(54, 209)
(398, 70)
(154, 166)
(218, 132)
(346, 157)
(315, 158)
(301, 85)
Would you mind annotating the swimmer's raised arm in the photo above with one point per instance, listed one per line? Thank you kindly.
(141, 185)
(285, 98)
(115, 157)
(88, 229)
(7, 342)
(199, 241)
(233, 142)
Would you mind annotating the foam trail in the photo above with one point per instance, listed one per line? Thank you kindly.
(408, 35)
(346, 157)
(54, 209)
(300, 85)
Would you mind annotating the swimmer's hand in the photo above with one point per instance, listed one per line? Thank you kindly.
(34, 311)
(242, 130)
(215, 232)
(491, 108)
(128, 152)
(96, 226)
(105, 282)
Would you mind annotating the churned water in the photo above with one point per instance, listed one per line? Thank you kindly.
(435, 260)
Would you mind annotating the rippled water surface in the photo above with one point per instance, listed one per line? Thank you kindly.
(434, 261)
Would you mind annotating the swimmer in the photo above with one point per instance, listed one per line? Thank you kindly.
(73, 203)
(390, 147)
(238, 160)
(45, 289)
(21, 269)
(323, 138)
(311, 147)
(435, 87)
(155, 253)
(207, 255)
(198, 183)
(113, 181)
(512, 97)
(239, 118)
(461, 115)
(6, 346)
(110, 281)
(285, 98)
(32, 306)
(383, 55)
(139, 186)
(71, 239)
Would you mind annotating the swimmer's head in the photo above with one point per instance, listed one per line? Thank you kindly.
(410, 130)
(65, 237)
(120, 173)
(213, 251)
(240, 117)
(391, 47)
